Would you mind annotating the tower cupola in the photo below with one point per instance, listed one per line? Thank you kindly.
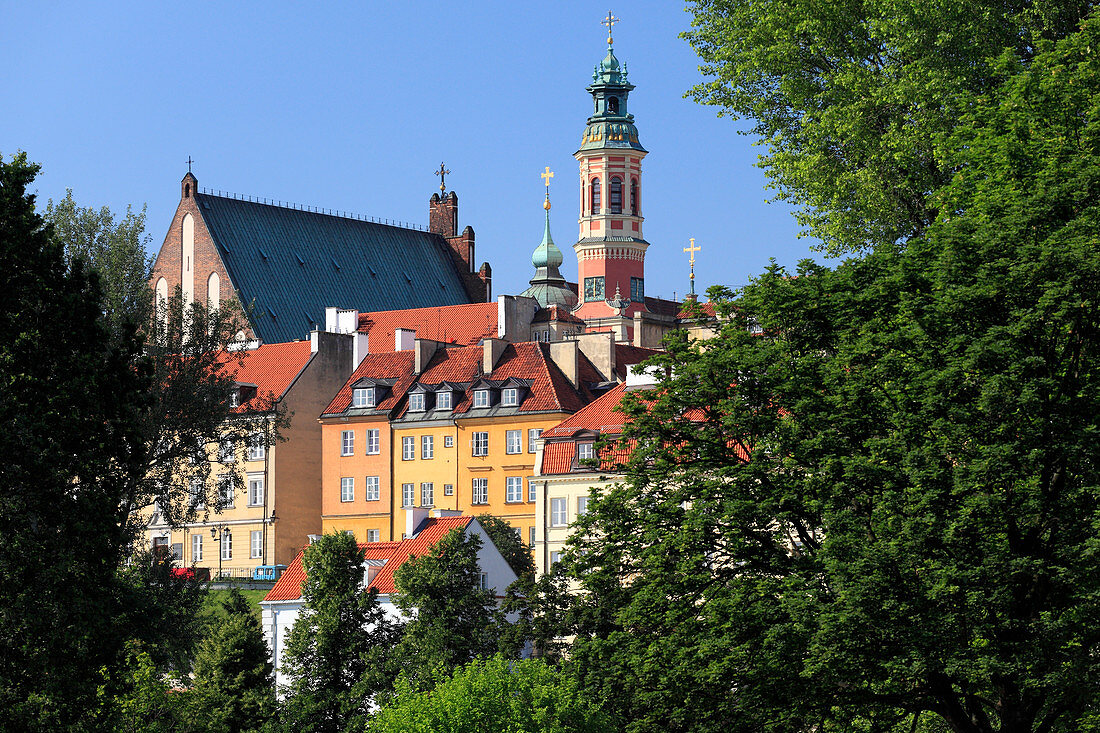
(548, 287)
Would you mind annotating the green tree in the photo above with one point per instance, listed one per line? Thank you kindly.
(140, 698)
(114, 250)
(507, 540)
(880, 513)
(853, 98)
(234, 686)
(525, 696)
(70, 407)
(452, 619)
(338, 654)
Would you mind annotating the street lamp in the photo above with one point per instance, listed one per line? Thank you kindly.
(218, 533)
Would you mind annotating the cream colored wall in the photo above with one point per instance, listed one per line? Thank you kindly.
(549, 539)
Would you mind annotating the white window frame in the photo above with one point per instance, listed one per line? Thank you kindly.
(427, 494)
(483, 581)
(533, 434)
(481, 398)
(226, 451)
(559, 512)
(256, 544)
(509, 397)
(443, 400)
(582, 506)
(532, 491)
(347, 488)
(254, 498)
(513, 442)
(417, 402)
(226, 494)
(198, 494)
(257, 447)
(448, 489)
(408, 447)
(479, 443)
(374, 442)
(372, 490)
(347, 442)
(196, 548)
(555, 558)
(363, 397)
(227, 545)
(373, 535)
(479, 491)
(513, 489)
(448, 441)
(427, 447)
(408, 495)
(585, 451)
(531, 534)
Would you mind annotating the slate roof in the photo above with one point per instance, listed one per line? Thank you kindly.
(394, 554)
(453, 324)
(292, 264)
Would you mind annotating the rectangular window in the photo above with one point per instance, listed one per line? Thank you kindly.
(509, 397)
(513, 489)
(427, 447)
(226, 452)
(582, 506)
(448, 489)
(531, 536)
(363, 397)
(416, 402)
(584, 451)
(256, 447)
(372, 491)
(347, 488)
(637, 289)
(481, 398)
(373, 448)
(227, 545)
(557, 513)
(480, 443)
(408, 448)
(533, 435)
(448, 441)
(198, 494)
(347, 443)
(480, 492)
(257, 543)
(593, 288)
(225, 492)
(513, 442)
(196, 548)
(255, 490)
(408, 494)
(373, 535)
(532, 491)
(427, 494)
(483, 581)
(555, 558)
(443, 400)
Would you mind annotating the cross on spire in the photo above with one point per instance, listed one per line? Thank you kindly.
(189, 162)
(442, 173)
(610, 22)
(692, 250)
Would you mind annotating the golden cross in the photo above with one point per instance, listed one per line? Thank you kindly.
(442, 173)
(610, 22)
(693, 249)
(546, 176)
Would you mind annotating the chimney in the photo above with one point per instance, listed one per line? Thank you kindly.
(565, 355)
(414, 517)
(423, 351)
(403, 339)
(600, 350)
(491, 349)
(443, 214)
(341, 320)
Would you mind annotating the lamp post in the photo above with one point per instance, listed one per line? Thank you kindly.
(218, 533)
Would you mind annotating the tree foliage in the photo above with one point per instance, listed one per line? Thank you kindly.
(338, 654)
(525, 696)
(880, 513)
(852, 99)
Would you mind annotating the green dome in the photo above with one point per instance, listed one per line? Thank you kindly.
(548, 287)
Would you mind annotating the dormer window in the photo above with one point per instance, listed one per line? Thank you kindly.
(416, 402)
(443, 401)
(509, 397)
(235, 398)
(481, 398)
(363, 397)
(584, 451)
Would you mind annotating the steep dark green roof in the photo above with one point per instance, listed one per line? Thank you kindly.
(291, 264)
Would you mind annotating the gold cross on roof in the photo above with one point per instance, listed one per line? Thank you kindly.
(546, 175)
(693, 249)
(442, 173)
(610, 22)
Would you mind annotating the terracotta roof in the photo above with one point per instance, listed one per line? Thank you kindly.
(626, 355)
(271, 367)
(452, 324)
(600, 416)
(389, 365)
(558, 457)
(394, 554)
(707, 309)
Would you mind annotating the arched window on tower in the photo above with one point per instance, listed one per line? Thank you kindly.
(616, 195)
(595, 195)
(613, 105)
(633, 196)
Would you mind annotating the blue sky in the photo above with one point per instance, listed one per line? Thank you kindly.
(352, 106)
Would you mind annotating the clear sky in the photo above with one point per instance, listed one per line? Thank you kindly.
(352, 106)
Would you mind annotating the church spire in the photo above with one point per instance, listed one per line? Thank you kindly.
(548, 287)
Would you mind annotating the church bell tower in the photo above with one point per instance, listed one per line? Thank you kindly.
(610, 249)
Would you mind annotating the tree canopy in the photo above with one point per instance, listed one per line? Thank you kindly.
(871, 503)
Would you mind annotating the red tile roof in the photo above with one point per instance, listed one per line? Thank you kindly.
(271, 367)
(706, 308)
(289, 587)
(626, 355)
(453, 324)
(600, 416)
(391, 365)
